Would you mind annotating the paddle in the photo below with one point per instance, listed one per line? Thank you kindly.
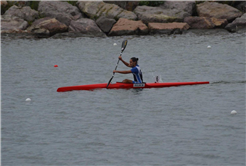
(123, 46)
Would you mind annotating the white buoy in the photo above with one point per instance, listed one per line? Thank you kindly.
(233, 112)
(28, 99)
(115, 44)
(209, 46)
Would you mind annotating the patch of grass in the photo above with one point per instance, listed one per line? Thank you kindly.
(72, 2)
(109, 10)
(34, 5)
(151, 3)
(230, 3)
(29, 23)
(5, 8)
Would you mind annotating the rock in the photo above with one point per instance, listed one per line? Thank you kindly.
(199, 22)
(85, 26)
(220, 23)
(128, 27)
(186, 6)
(25, 13)
(127, 5)
(105, 24)
(51, 24)
(12, 23)
(241, 6)
(237, 24)
(4, 3)
(168, 28)
(95, 9)
(204, 22)
(41, 32)
(156, 14)
(218, 10)
(62, 11)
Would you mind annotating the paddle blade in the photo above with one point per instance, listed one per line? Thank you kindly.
(109, 82)
(123, 46)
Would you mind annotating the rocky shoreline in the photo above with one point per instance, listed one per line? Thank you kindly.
(101, 19)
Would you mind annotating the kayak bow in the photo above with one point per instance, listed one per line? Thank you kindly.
(120, 85)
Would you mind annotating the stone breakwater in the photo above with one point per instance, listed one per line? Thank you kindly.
(97, 18)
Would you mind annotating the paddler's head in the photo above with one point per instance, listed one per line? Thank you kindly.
(133, 62)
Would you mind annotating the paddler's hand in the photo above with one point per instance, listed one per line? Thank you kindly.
(115, 71)
(120, 58)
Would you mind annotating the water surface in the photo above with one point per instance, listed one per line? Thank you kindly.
(188, 125)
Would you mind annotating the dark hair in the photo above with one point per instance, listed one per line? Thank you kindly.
(134, 59)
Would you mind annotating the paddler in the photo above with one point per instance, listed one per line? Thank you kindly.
(136, 71)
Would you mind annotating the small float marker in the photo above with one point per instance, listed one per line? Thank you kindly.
(233, 112)
(209, 47)
(115, 44)
(55, 65)
(28, 99)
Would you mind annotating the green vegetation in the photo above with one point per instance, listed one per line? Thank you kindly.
(151, 3)
(4, 9)
(34, 5)
(228, 2)
(72, 2)
(29, 23)
(159, 2)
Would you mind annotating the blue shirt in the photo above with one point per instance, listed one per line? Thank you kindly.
(137, 74)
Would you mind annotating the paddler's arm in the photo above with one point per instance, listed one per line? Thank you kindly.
(127, 64)
(123, 72)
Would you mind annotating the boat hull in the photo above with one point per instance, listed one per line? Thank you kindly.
(120, 85)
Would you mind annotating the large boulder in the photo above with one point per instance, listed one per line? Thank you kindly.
(218, 10)
(186, 6)
(25, 13)
(238, 23)
(127, 5)
(62, 11)
(128, 27)
(157, 14)
(96, 9)
(105, 24)
(205, 22)
(168, 28)
(48, 26)
(85, 26)
(12, 23)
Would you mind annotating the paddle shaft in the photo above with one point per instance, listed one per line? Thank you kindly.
(123, 46)
(118, 62)
(114, 69)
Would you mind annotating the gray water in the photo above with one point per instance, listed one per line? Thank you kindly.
(188, 125)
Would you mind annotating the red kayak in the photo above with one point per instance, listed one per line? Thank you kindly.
(120, 85)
